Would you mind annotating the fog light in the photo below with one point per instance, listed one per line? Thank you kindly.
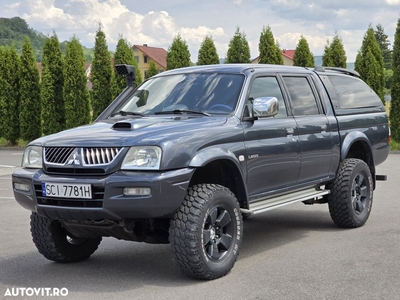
(138, 191)
(22, 187)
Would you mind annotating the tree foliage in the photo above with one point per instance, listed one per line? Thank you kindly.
(238, 50)
(207, 53)
(369, 63)
(123, 55)
(178, 55)
(395, 90)
(76, 95)
(53, 112)
(270, 53)
(302, 55)
(152, 70)
(384, 45)
(101, 74)
(9, 94)
(30, 107)
(334, 54)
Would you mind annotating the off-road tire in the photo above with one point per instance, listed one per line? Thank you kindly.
(54, 242)
(351, 196)
(207, 231)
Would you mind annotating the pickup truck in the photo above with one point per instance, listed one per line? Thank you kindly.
(186, 156)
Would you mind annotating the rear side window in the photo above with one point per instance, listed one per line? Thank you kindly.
(353, 92)
(301, 95)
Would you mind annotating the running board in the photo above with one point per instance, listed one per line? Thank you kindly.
(276, 202)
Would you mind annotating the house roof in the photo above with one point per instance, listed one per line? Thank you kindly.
(288, 53)
(159, 55)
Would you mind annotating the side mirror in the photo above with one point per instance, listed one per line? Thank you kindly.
(265, 107)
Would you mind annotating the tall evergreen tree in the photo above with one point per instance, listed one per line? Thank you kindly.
(123, 55)
(369, 63)
(269, 51)
(238, 50)
(50, 123)
(9, 94)
(76, 95)
(334, 53)
(101, 74)
(395, 90)
(302, 55)
(30, 107)
(384, 44)
(152, 70)
(207, 53)
(53, 63)
(178, 55)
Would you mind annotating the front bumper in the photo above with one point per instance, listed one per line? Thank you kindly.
(168, 191)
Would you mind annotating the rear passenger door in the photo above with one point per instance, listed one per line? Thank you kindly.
(314, 130)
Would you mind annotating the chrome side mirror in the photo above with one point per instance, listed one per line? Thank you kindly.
(265, 107)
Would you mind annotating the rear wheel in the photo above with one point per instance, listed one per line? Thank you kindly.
(351, 195)
(206, 233)
(56, 244)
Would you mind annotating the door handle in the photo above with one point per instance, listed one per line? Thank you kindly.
(289, 131)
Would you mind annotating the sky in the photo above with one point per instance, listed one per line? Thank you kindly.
(157, 22)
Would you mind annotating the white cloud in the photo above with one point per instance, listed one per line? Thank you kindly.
(393, 2)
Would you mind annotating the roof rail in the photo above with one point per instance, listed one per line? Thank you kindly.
(341, 70)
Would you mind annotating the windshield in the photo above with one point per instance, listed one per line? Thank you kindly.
(185, 93)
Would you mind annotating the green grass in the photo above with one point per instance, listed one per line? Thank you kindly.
(20, 143)
(394, 146)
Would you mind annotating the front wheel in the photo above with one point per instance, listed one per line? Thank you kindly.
(206, 233)
(55, 243)
(351, 195)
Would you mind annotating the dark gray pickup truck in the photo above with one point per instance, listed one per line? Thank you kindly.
(190, 153)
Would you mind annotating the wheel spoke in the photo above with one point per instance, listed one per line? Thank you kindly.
(359, 206)
(212, 250)
(206, 236)
(363, 191)
(223, 219)
(225, 241)
(212, 217)
(359, 179)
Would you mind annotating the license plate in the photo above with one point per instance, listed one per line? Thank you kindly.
(64, 190)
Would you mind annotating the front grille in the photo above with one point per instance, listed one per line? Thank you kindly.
(99, 156)
(81, 156)
(57, 155)
(97, 201)
(75, 171)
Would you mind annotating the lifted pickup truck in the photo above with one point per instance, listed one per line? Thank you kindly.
(184, 157)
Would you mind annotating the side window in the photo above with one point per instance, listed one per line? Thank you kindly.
(354, 93)
(268, 87)
(301, 95)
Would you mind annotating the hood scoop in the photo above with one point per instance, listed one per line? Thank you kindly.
(122, 126)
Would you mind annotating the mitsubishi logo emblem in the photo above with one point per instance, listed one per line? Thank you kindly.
(74, 158)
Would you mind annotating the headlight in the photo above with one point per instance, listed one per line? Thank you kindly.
(32, 157)
(142, 158)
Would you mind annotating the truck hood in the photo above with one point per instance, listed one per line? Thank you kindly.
(132, 131)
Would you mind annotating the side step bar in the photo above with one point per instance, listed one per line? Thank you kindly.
(276, 202)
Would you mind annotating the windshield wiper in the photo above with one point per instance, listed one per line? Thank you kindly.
(126, 113)
(182, 111)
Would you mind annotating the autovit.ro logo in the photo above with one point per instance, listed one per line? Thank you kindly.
(36, 291)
